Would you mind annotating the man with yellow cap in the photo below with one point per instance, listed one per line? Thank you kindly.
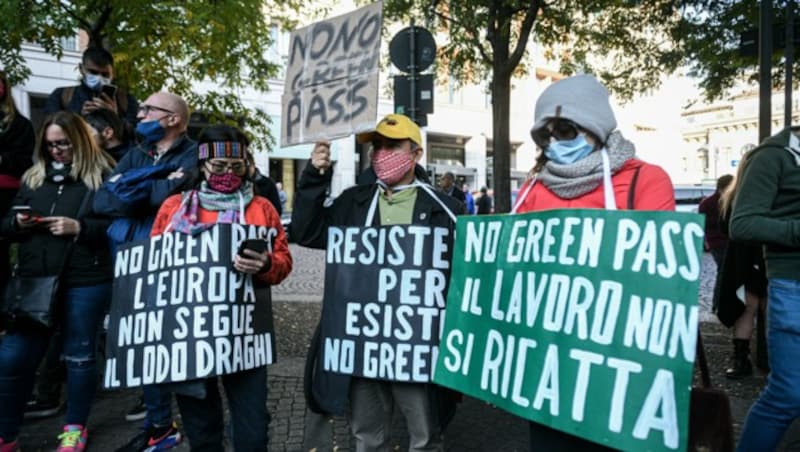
(398, 198)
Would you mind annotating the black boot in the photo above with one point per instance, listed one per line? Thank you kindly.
(741, 360)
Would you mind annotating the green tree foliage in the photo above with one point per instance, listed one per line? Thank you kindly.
(157, 45)
(711, 32)
(630, 45)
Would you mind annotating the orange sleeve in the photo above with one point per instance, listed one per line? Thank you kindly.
(281, 257)
(164, 214)
(654, 189)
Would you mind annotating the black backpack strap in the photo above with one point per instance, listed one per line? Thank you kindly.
(632, 188)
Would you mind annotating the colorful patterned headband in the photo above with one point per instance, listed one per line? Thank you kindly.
(221, 149)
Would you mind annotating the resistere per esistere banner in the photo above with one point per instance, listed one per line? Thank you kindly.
(385, 290)
(180, 311)
(583, 320)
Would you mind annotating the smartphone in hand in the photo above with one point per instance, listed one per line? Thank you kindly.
(257, 245)
(26, 210)
(110, 91)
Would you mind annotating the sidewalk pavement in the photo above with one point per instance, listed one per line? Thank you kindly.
(477, 426)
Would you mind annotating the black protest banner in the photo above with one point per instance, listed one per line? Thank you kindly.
(385, 292)
(180, 310)
(331, 87)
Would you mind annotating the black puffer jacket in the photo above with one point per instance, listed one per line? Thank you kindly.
(42, 254)
(327, 392)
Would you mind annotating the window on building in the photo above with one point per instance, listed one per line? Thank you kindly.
(447, 155)
(277, 52)
(70, 43)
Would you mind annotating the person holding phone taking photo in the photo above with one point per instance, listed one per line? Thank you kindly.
(223, 193)
(96, 91)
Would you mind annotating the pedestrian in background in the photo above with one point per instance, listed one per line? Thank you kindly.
(470, 200)
(585, 163)
(448, 185)
(59, 235)
(282, 196)
(485, 202)
(715, 239)
(741, 285)
(766, 210)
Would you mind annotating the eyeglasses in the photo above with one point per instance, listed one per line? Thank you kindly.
(388, 143)
(146, 109)
(60, 144)
(238, 168)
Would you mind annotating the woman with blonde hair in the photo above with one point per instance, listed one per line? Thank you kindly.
(58, 234)
(741, 285)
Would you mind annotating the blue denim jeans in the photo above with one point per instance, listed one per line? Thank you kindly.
(247, 396)
(158, 403)
(22, 349)
(779, 403)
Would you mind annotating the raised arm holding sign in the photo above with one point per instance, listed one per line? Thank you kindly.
(388, 263)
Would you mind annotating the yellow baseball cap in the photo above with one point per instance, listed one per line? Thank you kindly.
(395, 126)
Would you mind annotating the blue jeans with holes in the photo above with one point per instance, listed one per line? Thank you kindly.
(22, 349)
(779, 403)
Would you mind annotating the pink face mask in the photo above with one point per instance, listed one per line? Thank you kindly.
(224, 183)
(392, 166)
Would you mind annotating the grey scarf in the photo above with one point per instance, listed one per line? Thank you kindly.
(575, 179)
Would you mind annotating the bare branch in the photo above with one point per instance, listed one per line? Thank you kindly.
(96, 32)
(524, 34)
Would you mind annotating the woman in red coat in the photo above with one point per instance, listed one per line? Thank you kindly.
(575, 129)
(224, 194)
(585, 163)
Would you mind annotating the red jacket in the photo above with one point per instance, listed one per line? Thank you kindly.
(259, 212)
(653, 191)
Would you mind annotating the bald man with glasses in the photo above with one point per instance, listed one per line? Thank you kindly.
(161, 142)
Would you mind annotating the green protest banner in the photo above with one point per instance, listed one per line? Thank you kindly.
(583, 320)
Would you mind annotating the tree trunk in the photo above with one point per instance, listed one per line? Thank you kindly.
(501, 100)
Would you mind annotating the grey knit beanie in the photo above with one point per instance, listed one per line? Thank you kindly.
(582, 99)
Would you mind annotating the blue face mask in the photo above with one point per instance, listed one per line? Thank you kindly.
(95, 82)
(150, 131)
(568, 151)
